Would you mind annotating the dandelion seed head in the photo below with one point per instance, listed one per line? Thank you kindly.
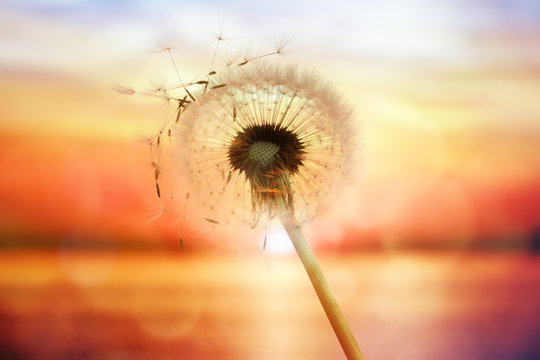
(272, 132)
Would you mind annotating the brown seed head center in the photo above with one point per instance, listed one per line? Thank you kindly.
(266, 151)
(263, 152)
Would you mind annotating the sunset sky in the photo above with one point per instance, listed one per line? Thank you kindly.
(446, 96)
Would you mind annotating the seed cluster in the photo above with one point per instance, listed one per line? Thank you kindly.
(270, 134)
(266, 150)
(261, 153)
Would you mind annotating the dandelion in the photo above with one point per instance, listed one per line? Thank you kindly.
(270, 141)
(270, 135)
(264, 141)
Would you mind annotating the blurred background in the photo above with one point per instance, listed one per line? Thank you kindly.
(432, 251)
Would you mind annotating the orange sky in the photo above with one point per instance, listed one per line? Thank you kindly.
(449, 144)
(78, 169)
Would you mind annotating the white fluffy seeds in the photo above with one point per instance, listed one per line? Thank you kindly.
(265, 96)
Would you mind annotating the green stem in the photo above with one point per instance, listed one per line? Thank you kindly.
(326, 297)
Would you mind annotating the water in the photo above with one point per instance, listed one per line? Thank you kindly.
(135, 305)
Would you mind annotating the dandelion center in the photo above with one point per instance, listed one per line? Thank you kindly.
(266, 151)
(263, 152)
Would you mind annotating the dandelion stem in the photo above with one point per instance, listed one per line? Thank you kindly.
(326, 297)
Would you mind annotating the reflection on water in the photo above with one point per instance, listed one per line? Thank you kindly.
(96, 305)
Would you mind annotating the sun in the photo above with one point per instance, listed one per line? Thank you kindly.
(277, 242)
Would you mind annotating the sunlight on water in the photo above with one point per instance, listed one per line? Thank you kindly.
(168, 306)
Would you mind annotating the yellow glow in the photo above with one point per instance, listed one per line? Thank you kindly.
(277, 242)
